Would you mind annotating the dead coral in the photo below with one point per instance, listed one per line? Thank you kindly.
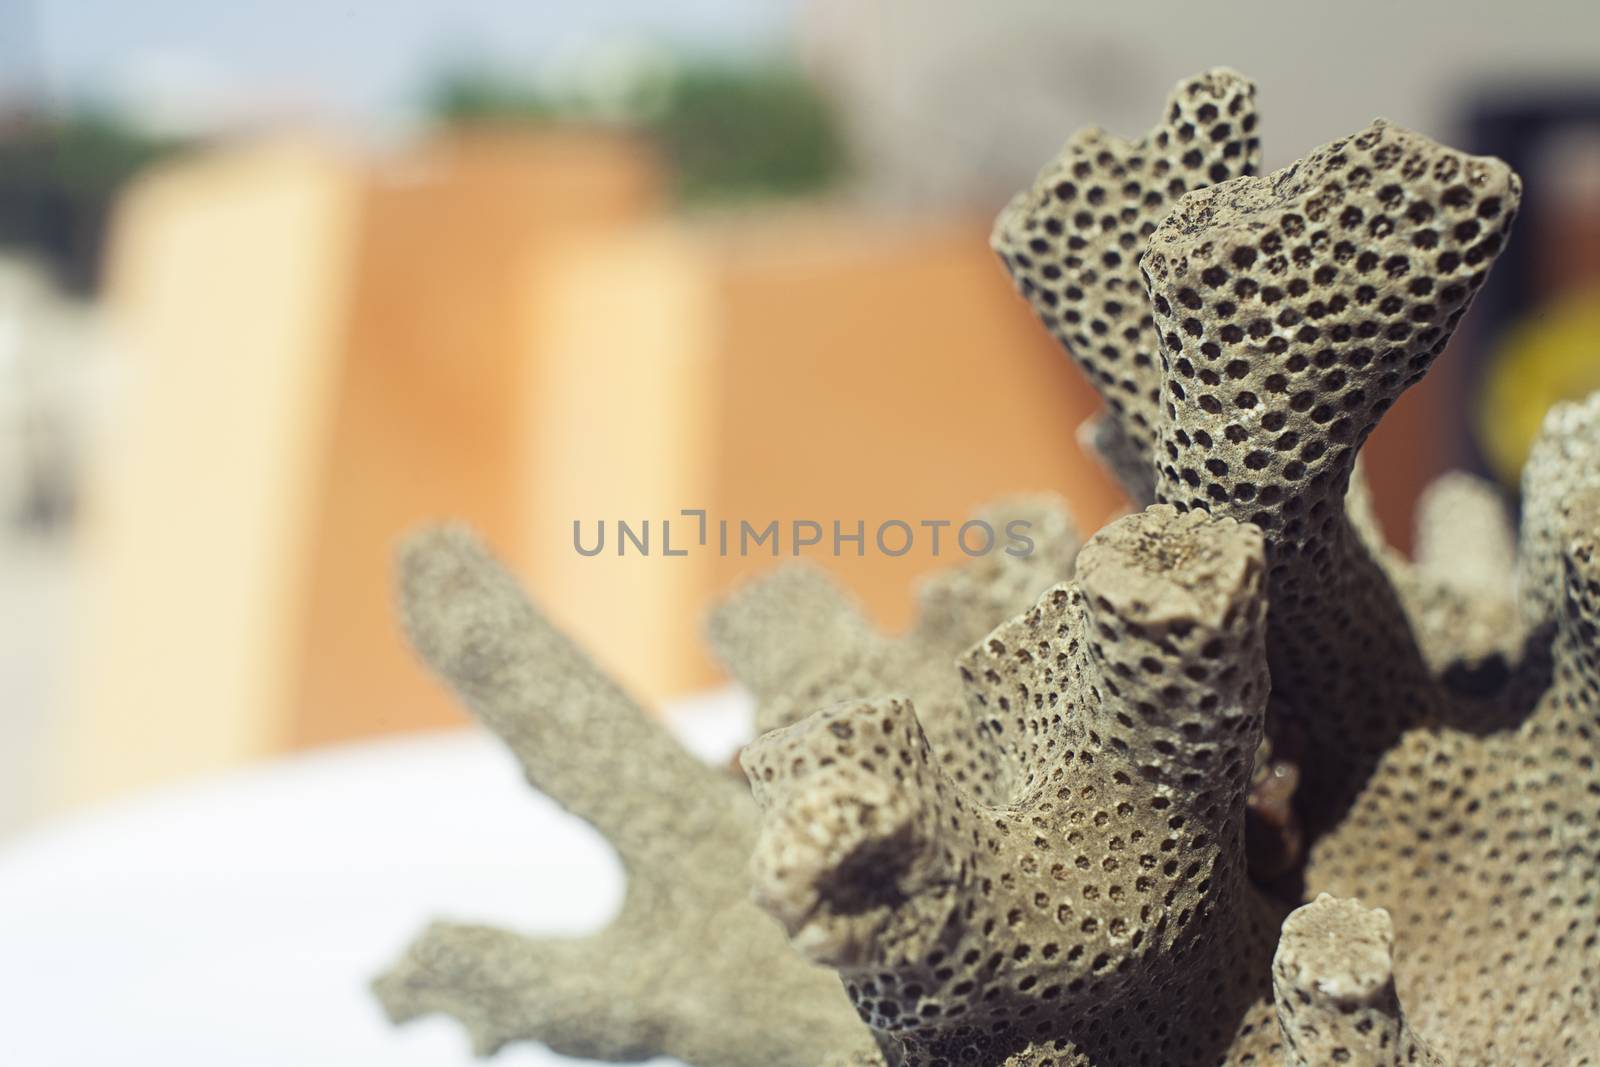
(1459, 595)
(673, 973)
(1039, 857)
(1292, 311)
(1484, 844)
(1125, 710)
(798, 644)
(1333, 978)
(1073, 243)
(689, 968)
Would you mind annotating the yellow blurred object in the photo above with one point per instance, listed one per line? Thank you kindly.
(227, 290)
(1551, 355)
(323, 352)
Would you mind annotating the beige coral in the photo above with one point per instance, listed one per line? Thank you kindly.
(1333, 980)
(1483, 842)
(1125, 709)
(1022, 840)
(1460, 594)
(1074, 240)
(798, 643)
(689, 967)
(671, 974)
(1293, 310)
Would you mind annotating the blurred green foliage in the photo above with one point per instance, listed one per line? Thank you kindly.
(466, 96)
(730, 131)
(58, 177)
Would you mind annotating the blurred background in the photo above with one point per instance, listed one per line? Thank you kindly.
(280, 281)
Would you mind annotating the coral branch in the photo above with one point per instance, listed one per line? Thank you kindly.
(671, 972)
(1293, 310)
(560, 714)
(1072, 244)
(776, 628)
(853, 662)
(1464, 537)
(852, 843)
(1174, 617)
(503, 987)
(959, 605)
(1129, 708)
(1460, 595)
(1565, 459)
(1577, 644)
(1333, 980)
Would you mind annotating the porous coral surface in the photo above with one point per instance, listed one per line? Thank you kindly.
(1019, 833)
(1073, 242)
(690, 967)
(1013, 931)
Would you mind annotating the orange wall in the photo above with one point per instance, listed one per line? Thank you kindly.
(436, 370)
(814, 367)
(877, 373)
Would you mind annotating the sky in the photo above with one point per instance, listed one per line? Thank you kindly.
(200, 63)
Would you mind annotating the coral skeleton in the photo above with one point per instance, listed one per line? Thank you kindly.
(1233, 782)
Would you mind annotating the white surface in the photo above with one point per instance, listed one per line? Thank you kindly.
(238, 921)
(38, 580)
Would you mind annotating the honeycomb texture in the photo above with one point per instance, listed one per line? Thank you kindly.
(673, 973)
(1483, 842)
(1125, 709)
(1293, 310)
(1086, 835)
(1072, 243)
(797, 643)
(1561, 466)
